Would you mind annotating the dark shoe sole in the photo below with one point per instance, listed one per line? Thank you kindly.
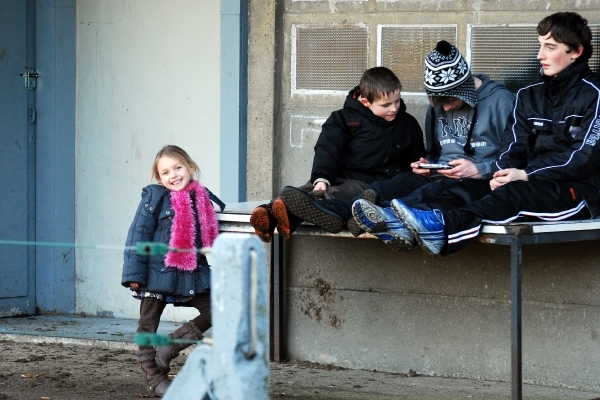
(262, 224)
(304, 206)
(354, 227)
(370, 195)
(282, 216)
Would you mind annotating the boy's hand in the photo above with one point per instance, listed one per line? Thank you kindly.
(134, 285)
(462, 168)
(507, 175)
(320, 186)
(420, 171)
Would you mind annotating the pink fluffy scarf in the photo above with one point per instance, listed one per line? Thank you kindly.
(183, 229)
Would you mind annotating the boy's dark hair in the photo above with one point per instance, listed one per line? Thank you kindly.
(438, 101)
(378, 82)
(570, 29)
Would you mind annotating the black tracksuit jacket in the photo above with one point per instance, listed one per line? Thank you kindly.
(555, 132)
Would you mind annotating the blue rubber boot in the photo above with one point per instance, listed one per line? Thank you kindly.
(382, 223)
(426, 225)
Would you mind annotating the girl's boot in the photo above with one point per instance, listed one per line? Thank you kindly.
(164, 354)
(157, 383)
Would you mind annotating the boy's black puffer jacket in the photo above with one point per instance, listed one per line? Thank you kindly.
(152, 223)
(356, 144)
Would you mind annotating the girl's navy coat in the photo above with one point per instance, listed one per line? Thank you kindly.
(152, 223)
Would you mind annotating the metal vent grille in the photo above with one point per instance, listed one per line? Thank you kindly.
(329, 58)
(403, 49)
(508, 54)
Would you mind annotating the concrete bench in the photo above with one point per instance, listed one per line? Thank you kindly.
(236, 218)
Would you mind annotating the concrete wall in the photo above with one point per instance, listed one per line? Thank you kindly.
(147, 75)
(283, 126)
(263, 98)
(364, 306)
(355, 303)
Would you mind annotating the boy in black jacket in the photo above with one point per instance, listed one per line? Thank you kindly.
(372, 138)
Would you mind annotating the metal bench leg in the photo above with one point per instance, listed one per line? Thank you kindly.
(277, 298)
(516, 319)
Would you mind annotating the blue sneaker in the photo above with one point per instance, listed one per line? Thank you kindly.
(382, 223)
(426, 226)
(372, 197)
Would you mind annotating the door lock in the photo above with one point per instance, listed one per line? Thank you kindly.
(30, 78)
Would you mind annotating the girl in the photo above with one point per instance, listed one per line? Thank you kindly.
(178, 212)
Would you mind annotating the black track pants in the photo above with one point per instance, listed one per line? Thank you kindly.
(522, 200)
(403, 184)
(447, 194)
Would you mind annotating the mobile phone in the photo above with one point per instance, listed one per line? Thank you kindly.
(435, 166)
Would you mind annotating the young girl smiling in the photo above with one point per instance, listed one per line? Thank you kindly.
(177, 212)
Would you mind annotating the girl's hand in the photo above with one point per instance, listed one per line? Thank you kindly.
(505, 176)
(420, 171)
(134, 285)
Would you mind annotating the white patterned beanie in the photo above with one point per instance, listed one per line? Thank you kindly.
(447, 74)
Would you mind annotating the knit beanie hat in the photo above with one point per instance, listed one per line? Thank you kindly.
(447, 74)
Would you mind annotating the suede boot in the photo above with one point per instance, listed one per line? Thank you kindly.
(263, 221)
(164, 354)
(157, 383)
(287, 222)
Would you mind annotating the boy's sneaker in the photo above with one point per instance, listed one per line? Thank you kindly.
(354, 228)
(372, 197)
(426, 226)
(382, 223)
(317, 212)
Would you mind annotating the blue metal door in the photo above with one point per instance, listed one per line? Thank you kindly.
(17, 159)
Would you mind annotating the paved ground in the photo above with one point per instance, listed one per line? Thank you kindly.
(75, 358)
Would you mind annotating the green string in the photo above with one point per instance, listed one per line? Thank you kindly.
(142, 248)
(154, 339)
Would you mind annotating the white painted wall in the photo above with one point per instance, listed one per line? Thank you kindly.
(147, 75)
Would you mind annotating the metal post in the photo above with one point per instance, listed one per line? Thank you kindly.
(277, 273)
(516, 319)
(236, 366)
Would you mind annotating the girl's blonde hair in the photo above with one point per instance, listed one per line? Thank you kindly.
(177, 153)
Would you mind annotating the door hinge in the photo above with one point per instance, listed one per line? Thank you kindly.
(30, 78)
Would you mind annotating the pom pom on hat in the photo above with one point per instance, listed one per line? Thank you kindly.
(447, 74)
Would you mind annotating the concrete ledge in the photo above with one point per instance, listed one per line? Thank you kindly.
(32, 338)
(113, 333)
